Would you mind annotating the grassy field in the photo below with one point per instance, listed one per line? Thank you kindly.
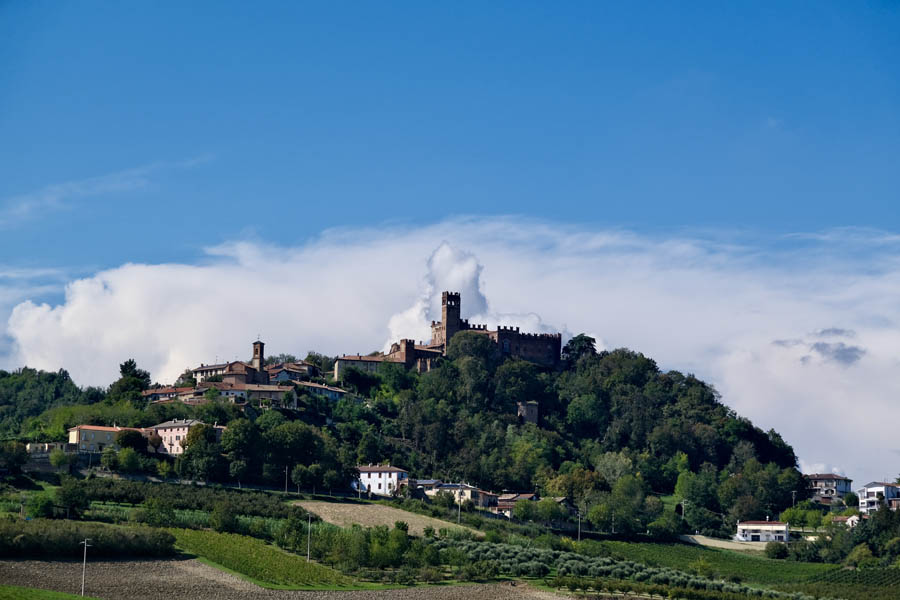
(724, 563)
(263, 564)
(370, 515)
(11, 592)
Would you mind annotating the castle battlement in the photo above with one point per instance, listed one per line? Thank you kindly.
(541, 348)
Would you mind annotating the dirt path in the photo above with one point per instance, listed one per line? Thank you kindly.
(370, 515)
(193, 580)
(702, 540)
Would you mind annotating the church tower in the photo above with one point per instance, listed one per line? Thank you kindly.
(259, 357)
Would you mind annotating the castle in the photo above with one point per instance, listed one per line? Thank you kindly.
(540, 348)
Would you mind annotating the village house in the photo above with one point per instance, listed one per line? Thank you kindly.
(872, 493)
(174, 432)
(295, 371)
(463, 492)
(96, 438)
(426, 485)
(762, 531)
(382, 480)
(163, 394)
(826, 487)
(242, 393)
(506, 502)
(851, 521)
(332, 393)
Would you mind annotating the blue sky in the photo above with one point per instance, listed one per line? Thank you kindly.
(304, 116)
(715, 184)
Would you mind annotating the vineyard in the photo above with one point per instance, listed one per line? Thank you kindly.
(257, 560)
(11, 592)
(724, 563)
(868, 577)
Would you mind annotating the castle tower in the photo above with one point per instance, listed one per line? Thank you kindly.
(450, 315)
(259, 357)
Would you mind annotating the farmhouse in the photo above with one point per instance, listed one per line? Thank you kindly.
(381, 480)
(762, 531)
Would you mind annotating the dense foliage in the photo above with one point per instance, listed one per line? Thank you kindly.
(614, 433)
(40, 538)
(203, 498)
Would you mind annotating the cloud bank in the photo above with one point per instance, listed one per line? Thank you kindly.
(799, 335)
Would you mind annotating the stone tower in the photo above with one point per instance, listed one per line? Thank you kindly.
(450, 315)
(259, 357)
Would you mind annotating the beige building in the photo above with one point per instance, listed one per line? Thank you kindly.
(96, 438)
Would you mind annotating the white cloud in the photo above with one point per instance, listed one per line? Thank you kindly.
(768, 327)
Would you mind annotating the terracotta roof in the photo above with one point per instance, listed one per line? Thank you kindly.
(827, 476)
(105, 428)
(209, 367)
(761, 523)
(165, 390)
(379, 469)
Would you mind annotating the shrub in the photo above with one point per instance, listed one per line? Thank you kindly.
(776, 550)
(59, 539)
(223, 518)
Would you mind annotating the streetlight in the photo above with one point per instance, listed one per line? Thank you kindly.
(308, 532)
(285, 478)
(579, 525)
(84, 564)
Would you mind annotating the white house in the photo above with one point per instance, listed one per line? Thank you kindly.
(462, 492)
(174, 432)
(762, 531)
(851, 521)
(869, 495)
(381, 480)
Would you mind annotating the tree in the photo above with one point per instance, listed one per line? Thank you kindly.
(132, 381)
(549, 510)
(612, 466)
(59, 459)
(130, 438)
(109, 459)
(186, 379)
(575, 348)
(525, 510)
(129, 460)
(71, 497)
(223, 517)
(238, 470)
(13, 455)
(300, 477)
(158, 512)
(164, 469)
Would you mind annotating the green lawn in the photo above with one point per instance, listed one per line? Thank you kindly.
(723, 563)
(11, 592)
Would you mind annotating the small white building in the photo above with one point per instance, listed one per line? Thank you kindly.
(381, 480)
(871, 493)
(762, 531)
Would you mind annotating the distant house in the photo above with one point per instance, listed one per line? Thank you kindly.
(96, 438)
(506, 502)
(463, 492)
(295, 371)
(427, 485)
(871, 493)
(174, 432)
(41, 448)
(851, 521)
(405, 352)
(382, 480)
(241, 393)
(527, 411)
(826, 487)
(332, 393)
(762, 531)
(163, 394)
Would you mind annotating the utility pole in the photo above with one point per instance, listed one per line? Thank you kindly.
(308, 532)
(285, 478)
(614, 522)
(458, 509)
(794, 498)
(579, 525)
(84, 564)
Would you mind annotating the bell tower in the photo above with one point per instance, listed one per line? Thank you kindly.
(259, 357)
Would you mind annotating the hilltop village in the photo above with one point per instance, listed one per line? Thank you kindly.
(209, 399)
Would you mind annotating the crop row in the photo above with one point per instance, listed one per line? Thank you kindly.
(256, 559)
(867, 577)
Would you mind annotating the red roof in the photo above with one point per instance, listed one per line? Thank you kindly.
(761, 523)
(379, 469)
